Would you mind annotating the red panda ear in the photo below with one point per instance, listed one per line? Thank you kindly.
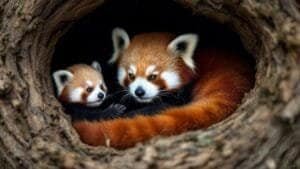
(121, 42)
(184, 46)
(61, 78)
(97, 66)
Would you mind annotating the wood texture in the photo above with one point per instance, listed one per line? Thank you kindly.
(262, 134)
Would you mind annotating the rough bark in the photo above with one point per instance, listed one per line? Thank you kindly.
(263, 133)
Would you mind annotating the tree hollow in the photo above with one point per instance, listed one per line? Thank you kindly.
(35, 132)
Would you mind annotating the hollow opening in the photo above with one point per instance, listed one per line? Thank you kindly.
(89, 38)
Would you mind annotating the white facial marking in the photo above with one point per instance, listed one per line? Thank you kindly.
(76, 95)
(150, 69)
(89, 83)
(155, 72)
(93, 99)
(121, 75)
(171, 79)
(132, 69)
(151, 90)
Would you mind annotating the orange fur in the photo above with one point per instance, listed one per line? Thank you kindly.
(82, 73)
(221, 81)
(151, 49)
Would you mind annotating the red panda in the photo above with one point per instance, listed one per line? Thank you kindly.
(155, 62)
(81, 90)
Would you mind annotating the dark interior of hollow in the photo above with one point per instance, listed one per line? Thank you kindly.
(90, 38)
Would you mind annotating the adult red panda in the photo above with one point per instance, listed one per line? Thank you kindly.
(155, 62)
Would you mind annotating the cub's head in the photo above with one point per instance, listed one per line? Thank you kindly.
(153, 62)
(82, 84)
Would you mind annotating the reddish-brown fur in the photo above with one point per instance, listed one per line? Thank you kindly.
(221, 78)
(81, 74)
(151, 49)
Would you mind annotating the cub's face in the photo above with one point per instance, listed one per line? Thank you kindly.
(81, 84)
(153, 62)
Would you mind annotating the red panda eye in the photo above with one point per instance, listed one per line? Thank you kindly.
(152, 77)
(131, 76)
(89, 89)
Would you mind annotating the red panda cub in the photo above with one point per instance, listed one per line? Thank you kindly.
(81, 90)
(152, 63)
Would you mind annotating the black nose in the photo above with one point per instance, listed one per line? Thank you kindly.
(140, 92)
(100, 95)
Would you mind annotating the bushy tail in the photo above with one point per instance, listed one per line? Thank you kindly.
(215, 98)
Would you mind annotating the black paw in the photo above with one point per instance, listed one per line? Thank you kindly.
(119, 108)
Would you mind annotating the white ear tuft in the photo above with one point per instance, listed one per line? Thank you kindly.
(61, 78)
(121, 42)
(184, 46)
(97, 66)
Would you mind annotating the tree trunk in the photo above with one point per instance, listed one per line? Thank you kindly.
(262, 134)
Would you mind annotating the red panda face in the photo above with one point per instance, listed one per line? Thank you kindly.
(146, 83)
(87, 92)
(148, 64)
(82, 84)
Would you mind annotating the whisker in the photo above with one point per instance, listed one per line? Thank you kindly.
(118, 92)
(172, 95)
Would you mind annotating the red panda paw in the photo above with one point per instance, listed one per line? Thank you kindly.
(119, 108)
